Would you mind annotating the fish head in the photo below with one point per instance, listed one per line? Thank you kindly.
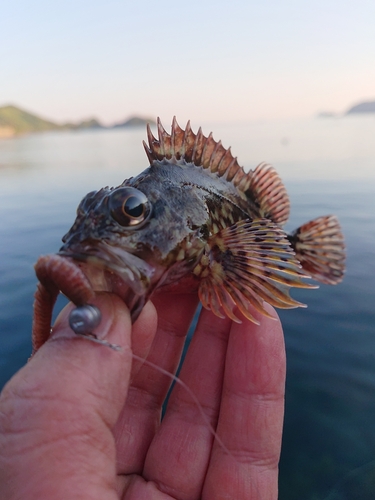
(130, 239)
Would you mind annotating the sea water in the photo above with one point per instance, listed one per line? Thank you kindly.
(328, 167)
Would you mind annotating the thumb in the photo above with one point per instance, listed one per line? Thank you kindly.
(57, 413)
(79, 366)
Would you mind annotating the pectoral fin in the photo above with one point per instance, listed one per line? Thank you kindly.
(245, 264)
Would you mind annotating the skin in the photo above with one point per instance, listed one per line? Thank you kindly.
(82, 421)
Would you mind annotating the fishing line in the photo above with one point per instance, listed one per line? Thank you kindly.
(193, 397)
(85, 318)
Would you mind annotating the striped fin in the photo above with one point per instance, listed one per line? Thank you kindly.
(246, 264)
(268, 192)
(320, 248)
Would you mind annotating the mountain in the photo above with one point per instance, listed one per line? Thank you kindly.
(85, 124)
(362, 107)
(17, 121)
(14, 121)
(135, 121)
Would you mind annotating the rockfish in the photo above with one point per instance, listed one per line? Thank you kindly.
(194, 220)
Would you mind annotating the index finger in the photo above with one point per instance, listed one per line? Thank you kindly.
(140, 417)
(251, 413)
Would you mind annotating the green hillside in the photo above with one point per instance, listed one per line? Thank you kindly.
(15, 121)
(21, 122)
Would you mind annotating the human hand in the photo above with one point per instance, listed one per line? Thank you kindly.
(81, 421)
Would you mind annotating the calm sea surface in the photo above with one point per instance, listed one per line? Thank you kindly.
(328, 166)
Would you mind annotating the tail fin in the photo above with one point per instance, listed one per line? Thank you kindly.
(320, 248)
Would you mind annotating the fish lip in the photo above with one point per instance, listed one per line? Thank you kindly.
(135, 272)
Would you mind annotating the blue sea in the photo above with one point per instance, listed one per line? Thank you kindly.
(328, 166)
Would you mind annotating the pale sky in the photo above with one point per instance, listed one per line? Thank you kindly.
(210, 61)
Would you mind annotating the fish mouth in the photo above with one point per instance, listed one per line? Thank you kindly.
(112, 269)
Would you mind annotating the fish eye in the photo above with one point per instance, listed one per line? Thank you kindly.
(129, 207)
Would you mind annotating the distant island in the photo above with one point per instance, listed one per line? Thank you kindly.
(15, 121)
(365, 107)
(134, 121)
(362, 107)
(327, 114)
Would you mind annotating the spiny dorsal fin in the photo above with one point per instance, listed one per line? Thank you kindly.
(268, 191)
(262, 185)
(195, 148)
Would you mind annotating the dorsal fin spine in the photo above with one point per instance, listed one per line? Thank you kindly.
(162, 134)
(173, 134)
(215, 159)
(205, 147)
(148, 152)
(203, 151)
(198, 138)
(189, 141)
(238, 176)
(183, 144)
(223, 167)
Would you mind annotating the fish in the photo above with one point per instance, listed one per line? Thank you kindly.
(192, 221)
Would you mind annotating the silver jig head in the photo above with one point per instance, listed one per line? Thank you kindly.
(84, 319)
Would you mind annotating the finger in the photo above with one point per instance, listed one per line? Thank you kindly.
(175, 314)
(251, 414)
(179, 454)
(57, 412)
(143, 333)
(141, 416)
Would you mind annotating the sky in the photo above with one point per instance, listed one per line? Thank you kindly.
(204, 60)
